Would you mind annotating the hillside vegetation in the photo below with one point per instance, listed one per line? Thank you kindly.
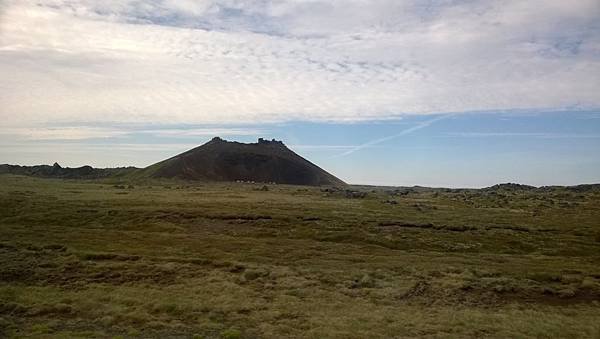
(155, 259)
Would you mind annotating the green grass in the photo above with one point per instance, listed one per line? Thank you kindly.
(159, 259)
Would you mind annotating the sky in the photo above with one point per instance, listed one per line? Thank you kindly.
(456, 93)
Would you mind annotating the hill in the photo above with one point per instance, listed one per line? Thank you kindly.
(57, 171)
(263, 161)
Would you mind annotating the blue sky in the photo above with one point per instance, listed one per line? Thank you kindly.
(441, 93)
(455, 150)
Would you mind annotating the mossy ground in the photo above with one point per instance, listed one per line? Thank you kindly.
(191, 260)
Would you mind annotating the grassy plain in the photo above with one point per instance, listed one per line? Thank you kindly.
(197, 260)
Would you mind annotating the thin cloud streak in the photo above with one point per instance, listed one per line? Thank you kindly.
(402, 133)
(523, 134)
(61, 133)
(51, 147)
(186, 133)
(322, 147)
(90, 132)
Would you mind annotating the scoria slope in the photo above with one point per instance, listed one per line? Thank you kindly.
(263, 161)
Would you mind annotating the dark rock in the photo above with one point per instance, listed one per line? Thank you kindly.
(355, 194)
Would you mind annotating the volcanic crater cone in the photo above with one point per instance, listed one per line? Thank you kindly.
(263, 161)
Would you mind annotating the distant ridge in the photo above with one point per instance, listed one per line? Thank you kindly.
(509, 186)
(520, 187)
(264, 161)
(56, 171)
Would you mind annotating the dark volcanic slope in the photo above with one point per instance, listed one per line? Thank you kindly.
(264, 161)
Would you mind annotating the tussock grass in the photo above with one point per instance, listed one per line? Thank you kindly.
(215, 260)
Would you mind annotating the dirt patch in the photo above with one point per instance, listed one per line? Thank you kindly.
(401, 224)
(472, 294)
(56, 265)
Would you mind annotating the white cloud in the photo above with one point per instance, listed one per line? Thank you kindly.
(69, 61)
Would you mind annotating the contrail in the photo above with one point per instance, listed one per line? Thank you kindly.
(404, 132)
